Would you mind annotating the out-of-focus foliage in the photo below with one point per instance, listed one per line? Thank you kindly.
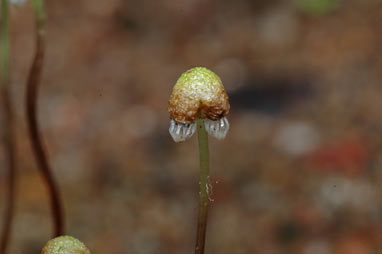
(318, 6)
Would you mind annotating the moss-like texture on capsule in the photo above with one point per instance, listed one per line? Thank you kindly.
(198, 94)
(65, 245)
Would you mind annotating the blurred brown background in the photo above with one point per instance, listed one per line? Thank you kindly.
(300, 169)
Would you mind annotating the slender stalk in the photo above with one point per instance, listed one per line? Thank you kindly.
(204, 199)
(378, 183)
(8, 135)
(31, 110)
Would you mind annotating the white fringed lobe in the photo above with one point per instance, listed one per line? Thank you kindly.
(218, 129)
(181, 131)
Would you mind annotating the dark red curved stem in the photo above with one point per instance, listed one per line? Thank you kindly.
(8, 135)
(35, 137)
(11, 161)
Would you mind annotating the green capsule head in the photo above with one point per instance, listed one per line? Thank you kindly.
(198, 94)
(65, 245)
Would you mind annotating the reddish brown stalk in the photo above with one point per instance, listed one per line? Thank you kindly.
(8, 134)
(9, 145)
(35, 137)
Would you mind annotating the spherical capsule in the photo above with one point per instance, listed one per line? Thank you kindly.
(198, 94)
(65, 245)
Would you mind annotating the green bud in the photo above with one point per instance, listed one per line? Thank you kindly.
(65, 245)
